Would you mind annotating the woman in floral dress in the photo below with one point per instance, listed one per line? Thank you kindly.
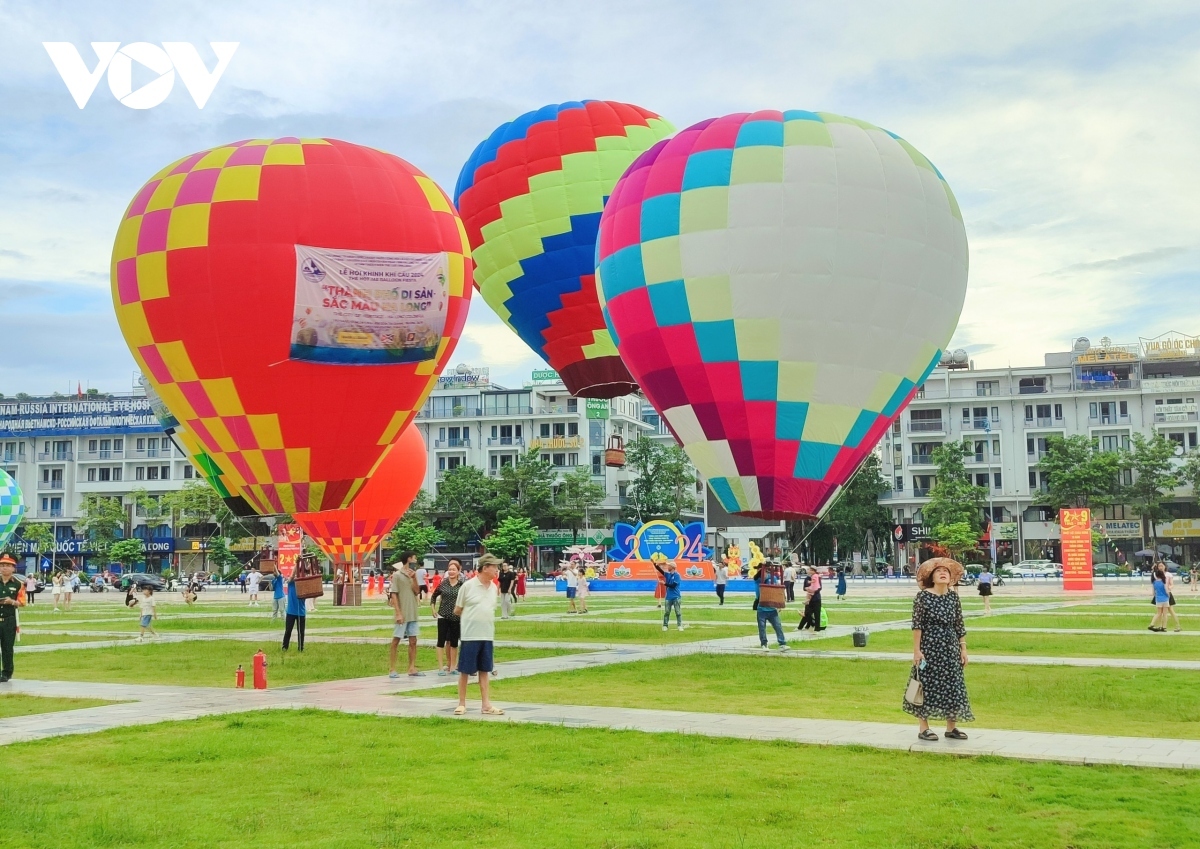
(939, 650)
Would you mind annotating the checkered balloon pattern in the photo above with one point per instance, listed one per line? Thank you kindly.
(531, 197)
(12, 506)
(779, 284)
(204, 286)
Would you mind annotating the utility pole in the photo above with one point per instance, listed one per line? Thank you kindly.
(987, 447)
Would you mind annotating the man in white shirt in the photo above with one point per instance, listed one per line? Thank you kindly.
(720, 579)
(252, 585)
(476, 609)
(789, 581)
(570, 576)
(422, 581)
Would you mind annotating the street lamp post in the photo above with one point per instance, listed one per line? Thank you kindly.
(987, 447)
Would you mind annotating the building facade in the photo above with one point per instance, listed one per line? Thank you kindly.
(62, 449)
(1107, 392)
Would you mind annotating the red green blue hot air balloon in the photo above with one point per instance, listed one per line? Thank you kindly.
(779, 284)
(530, 197)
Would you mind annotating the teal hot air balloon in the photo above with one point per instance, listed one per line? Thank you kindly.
(12, 506)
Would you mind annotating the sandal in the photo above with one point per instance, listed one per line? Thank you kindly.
(460, 710)
(492, 711)
(955, 734)
(927, 735)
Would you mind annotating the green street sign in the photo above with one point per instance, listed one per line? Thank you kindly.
(545, 375)
(597, 408)
(556, 537)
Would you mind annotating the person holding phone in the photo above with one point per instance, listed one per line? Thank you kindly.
(939, 651)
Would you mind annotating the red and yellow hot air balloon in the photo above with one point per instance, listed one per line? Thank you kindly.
(292, 302)
(346, 535)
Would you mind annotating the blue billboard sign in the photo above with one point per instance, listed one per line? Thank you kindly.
(83, 546)
(77, 416)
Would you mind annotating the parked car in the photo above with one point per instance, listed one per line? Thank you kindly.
(144, 579)
(1038, 569)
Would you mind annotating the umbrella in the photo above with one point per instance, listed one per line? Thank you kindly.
(1145, 552)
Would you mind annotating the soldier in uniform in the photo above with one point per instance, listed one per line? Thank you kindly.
(12, 596)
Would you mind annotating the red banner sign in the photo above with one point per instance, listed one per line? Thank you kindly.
(290, 537)
(1076, 527)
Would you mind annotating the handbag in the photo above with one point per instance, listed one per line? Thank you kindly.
(915, 693)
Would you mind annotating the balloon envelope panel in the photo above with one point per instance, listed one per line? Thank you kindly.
(780, 283)
(531, 197)
(12, 506)
(348, 534)
(204, 281)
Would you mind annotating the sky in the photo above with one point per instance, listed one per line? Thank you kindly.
(1067, 131)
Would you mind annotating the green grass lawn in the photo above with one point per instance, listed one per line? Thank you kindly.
(1148, 703)
(28, 639)
(1133, 620)
(212, 663)
(583, 629)
(530, 786)
(18, 704)
(1151, 646)
(742, 613)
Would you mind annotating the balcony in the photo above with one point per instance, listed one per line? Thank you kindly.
(1042, 421)
(56, 456)
(463, 442)
(1107, 385)
(556, 410)
(103, 454)
(921, 460)
(983, 459)
(926, 426)
(921, 492)
(49, 485)
(505, 440)
(979, 424)
(9, 457)
(1100, 421)
(1035, 456)
(456, 413)
(50, 513)
(1032, 390)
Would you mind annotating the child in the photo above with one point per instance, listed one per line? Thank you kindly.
(581, 590)
(149, 612)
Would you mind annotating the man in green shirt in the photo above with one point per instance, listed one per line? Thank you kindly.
(402, 597)
(12, 596)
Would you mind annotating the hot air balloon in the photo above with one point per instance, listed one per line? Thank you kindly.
(292, 302)
(351, 532)
(780, 283)
(12, 506)
(530, 197)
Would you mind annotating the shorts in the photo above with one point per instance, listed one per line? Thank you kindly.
(570, 592)
(475, 656)
(406, 629)
(448, 632)
(146, 620)
(985, 589)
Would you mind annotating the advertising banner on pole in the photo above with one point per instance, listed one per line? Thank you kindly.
(290, 537)
(1076, 548)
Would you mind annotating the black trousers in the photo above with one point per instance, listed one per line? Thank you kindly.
(790, 588)
(812, 613)
(8, 639)
(720, 588)
(298, 623)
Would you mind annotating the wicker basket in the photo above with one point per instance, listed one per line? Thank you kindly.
(772, 595)
(308, 579)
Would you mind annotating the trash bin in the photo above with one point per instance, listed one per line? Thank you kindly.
(860, 639)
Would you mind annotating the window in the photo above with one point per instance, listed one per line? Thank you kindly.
(981, 480)
(597, 465)
(899, 514)
(106, 474)
(995, 416)
(995, 447)
(139, 473)
(442, 434)
(922, 485)
(573, 429)
(165, 472)
(506, 435)
(141, 444)
(91, 474)
(506, 403)
(1116, 511)
(118, 445)
(1192, 439)
(560, 429)
(1058, 412)
(116, 475)
(966, 414)
(572, 460)
(1032, 479)
(987, 387)
(506, 460)
(152, 444)
(1029, 412)
(896, 427)
(188, 472)
(560, 460)
(494, 431)
(517, 431)
(495, 461)
(93, 445)
(996, 480)
(596, 433)
(544, 430)
(572, 405)
(899, 485)
(152, 473)
(1043, 411)
(545, 458)
(453, 462)
(441, 464)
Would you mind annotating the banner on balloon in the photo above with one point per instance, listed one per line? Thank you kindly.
(368, 307)
(289, 548)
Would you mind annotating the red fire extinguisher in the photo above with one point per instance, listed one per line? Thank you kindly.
(239, 678)
(260, 670)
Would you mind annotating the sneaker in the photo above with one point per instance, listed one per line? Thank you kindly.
(664, 627)
(765, 647)
(393, 675)
(784, 647)
(442, 673)
(682, 626)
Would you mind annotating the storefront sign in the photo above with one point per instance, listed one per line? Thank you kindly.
(1179, 529)
(545, 375)
(464, 377)
(83, 546)
(1005, 530)
(1171, 384)
(597, 408)
(77, 417)
(1118, 528)
(903, 533)
(557, 537)
(549, 443)
(1076, 530)
(1171, 346)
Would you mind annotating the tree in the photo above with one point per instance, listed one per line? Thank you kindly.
(127, 552)
(956, 538)
(512, 538)
(221, 557)
(197, 503)
(38, 535)
(422, 508)
(1079, 474)
(1154, 478)
(102, 520)
(528, 485)
(857, 514)
(466, 506)
(663, 481)
(577, 494)
(954, 498)
(412, 535)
